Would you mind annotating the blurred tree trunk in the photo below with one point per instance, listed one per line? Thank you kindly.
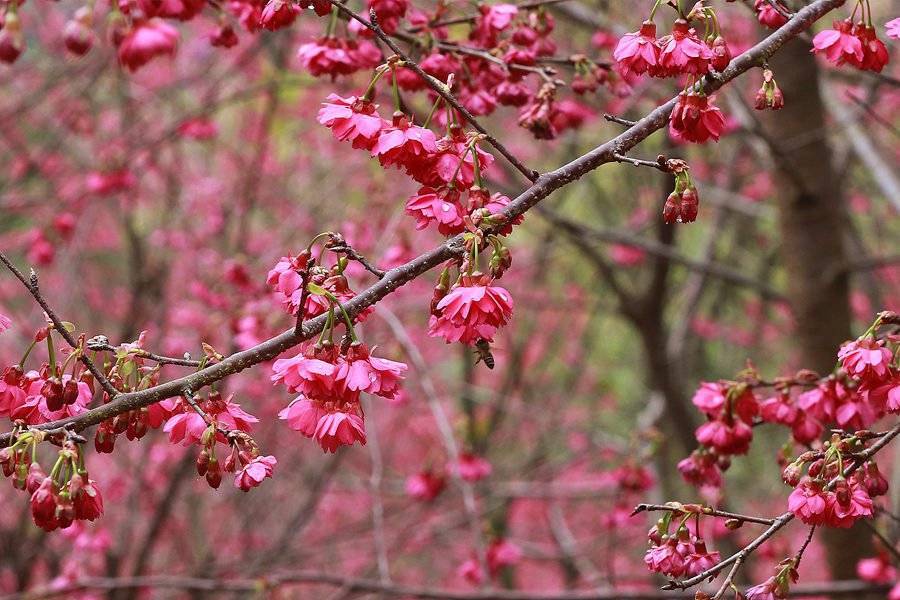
(812, 223)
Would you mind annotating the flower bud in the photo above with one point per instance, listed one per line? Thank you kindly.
(842, 492)
(875, 482)
(202, 462)
(214, 473)
(70, 392)
(816, 467)
(791, 474)
(104, 440)
(721, 53)
(671, 209)
(65, 510)
(35, 477)
(52, 391)
(690, 205)
(78, 37)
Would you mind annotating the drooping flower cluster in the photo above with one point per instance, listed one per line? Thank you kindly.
(779, 585)
(68, 494)
(855, 44)
(681, 53)
(864, 389)
(679, 554)
(287, 279)
(683, 204)
(471, 310)
(330, 380)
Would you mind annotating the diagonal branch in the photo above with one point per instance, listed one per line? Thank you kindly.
(545, 185)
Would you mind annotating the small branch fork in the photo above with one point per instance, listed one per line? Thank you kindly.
(339, 245)
(31, 285)
(439, 88)
(683, 509)
(393, 279)
(101, 344)
(658, 164)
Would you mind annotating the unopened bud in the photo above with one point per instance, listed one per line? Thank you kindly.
(791, 474)
(202, 462)
(213, 473)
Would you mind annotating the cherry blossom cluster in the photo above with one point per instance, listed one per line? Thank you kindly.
(681, 53)
(835, 482)
(674, 550)
(853, 43)
(683, 204)
(67, 495)
(329, 378)
(453, 198)
(824, 496)
(778, 585)
(862, 390)
(53, 391)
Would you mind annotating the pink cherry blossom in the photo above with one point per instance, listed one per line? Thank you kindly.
(254, 472)
(148, 40)
(839, 44)
(352, 119)
(470, 312)
(302, 415)
(337, 429)
(637, 52)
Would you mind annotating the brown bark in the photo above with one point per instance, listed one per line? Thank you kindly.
(812, 243)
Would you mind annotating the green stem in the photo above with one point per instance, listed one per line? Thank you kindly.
(395, 89)
(332, 22)
(434, 106)
(370, 91)
(27, 352)
(347, 320)
(51, 352)
(476, 166)
(329, 324)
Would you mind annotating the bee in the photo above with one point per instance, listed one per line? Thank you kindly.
(483, 353)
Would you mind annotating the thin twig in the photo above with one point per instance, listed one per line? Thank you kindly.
(101, 343)
(32, 287)
(703, 510)
(619, 120)
(659, 164)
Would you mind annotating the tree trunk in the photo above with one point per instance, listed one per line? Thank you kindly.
(812, 223)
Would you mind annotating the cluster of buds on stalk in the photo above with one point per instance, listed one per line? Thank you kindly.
(825, 496)
(721, 53)
(683, 203)
(66, 495)
(207, 464)
(679, 553)
(769, 95)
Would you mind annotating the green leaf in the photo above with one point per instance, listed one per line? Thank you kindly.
(316, 289)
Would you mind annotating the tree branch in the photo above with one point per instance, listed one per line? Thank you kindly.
(545, 185)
